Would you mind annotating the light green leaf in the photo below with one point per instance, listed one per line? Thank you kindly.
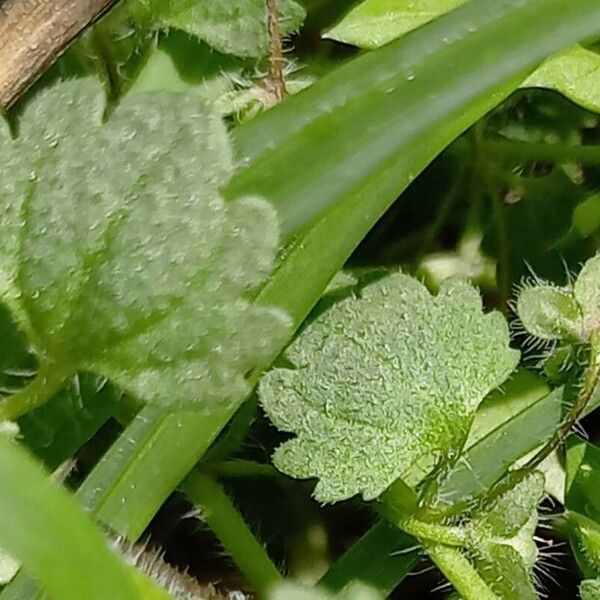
(550, 313)
(404, 374)
(501, 539)
(117, 254)
(374, 23)
(590, 589)
(587, 292)
(575, 73)
(353, 591)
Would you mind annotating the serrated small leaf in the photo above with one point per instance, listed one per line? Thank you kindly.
(117, 254)
(501, 539)
(550, 313)
(383, 381)
(590, 589)
(587, 292)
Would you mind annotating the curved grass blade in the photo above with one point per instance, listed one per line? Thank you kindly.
(40, 524)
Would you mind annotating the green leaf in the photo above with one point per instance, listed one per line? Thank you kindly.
(55, 431)
(404, 374)
(353, 591)
(40, 524)
(583, 478)
(590, 589)
(575, 73)
(117, 254)
(142, 468)
(501, 539)
(396, 554)
(587, 293)
(374, 23)
(231, 26)
(237, 27)
(533, 226)
(550, 313)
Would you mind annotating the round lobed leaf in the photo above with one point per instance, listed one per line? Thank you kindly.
(385, 383)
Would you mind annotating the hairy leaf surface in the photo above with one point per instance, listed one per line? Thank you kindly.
(590, 589)
(383, 381)
(236, 27)
(117, 254)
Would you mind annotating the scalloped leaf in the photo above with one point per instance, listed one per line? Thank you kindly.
(118, 255)
(385, 381)
(501, 539)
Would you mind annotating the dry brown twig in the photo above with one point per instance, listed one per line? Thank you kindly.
(33, 33)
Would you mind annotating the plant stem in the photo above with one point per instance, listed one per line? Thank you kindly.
(33, 395)
(591, 378)
(275, 82)
(238, 541)
(237, 468)
(537, 152)
(459, 572)
(433, 532)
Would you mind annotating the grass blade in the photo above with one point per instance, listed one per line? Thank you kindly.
(40, 524)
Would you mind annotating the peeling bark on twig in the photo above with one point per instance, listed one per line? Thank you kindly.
(33, 33)
(275, 83)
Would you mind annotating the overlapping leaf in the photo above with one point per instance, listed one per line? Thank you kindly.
(384, 381)
(501, 539)
(236, 27)
(117, 254)
(575, 72)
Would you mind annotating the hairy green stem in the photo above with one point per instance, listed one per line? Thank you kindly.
(459, 572)
(591, 379)
(433, 532)
(33, 395)
(226, 522)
